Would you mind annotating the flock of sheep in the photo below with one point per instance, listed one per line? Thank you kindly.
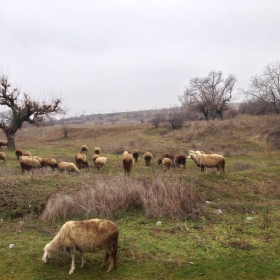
(202, 160)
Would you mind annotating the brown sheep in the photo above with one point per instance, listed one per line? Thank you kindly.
(166, 163)
(28, 163)
(97, 150)
(211, 161)
(85, 236)
(148, 157)
(49, 162)
(94, 157)
(84, 149)
(180, 160)
(81, 160)
(100, 162)
(165, 156)
(3, 156)
(18, 153)
(128, 162)
(68, 166)
(135, 154)
(3, 143)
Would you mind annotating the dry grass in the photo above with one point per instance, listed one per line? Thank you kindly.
(113, 195)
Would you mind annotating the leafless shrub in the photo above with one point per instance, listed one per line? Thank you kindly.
(160, 197)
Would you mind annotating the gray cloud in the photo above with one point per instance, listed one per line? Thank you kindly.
(105, 56)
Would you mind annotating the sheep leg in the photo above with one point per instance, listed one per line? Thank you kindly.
(83, 259)
(73, 253)
(112, 263)
(105, 260)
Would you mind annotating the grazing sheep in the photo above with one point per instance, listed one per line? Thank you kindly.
(135, 155)
(3, 156)
(211, 161)
(97, 150)
(85, 236)
(49, 162)
(128, 162)
(180, 160)
(94, 157)
(165, 156)
(26, 153)
(81, 160)
(3, 143)
(67, 166)
(100, 162)
(166, 163)
(194, 158)
(18, 153)
(148, 157)
(84, 149)
(28, 163)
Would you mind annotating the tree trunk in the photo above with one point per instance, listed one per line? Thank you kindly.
(11, 140)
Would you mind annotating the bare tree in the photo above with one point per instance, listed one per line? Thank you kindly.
(266, 87)
(209, 95)
(157, 119)
(22, 109)
(176, 117)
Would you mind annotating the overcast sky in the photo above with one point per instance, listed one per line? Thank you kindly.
(105, 56)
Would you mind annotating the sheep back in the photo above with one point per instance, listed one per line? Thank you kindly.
(97, 150)
(84, 149)
(166, 163)
(81, 160)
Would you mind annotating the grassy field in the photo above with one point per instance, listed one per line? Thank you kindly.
(180, 225)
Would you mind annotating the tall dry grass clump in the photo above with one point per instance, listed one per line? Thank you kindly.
(164, 196)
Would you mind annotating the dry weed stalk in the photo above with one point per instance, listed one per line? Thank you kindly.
(108, 197)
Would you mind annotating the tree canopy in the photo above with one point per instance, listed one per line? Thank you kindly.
(21, 108)
(209, 95)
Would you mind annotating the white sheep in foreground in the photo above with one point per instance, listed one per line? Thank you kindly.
(128, 162)
(68, 166)
(85, 236)
(100, 162)
(194, 158)
(211, 161)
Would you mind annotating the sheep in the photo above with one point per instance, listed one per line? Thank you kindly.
(3, 143)
(3, 156)
(166, 163)
(165, 156)
(81, 160)
(84, 149)
(100, 162)
(94, 157)
(26, 153)
(128, 162)
(67, 166)
(97, 150)
(49, 162)
(18, 153)
(135, 154)
(180, 160)
(148, 157)
(211, 161)
(194, 158)
(85, 236)
(28, 163)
